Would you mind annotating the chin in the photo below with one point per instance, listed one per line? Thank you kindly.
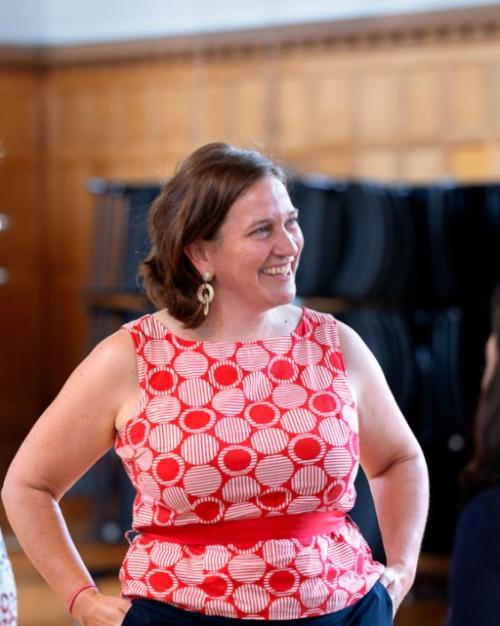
(284, 298)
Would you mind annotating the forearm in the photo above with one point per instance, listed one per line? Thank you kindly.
(401, 496)
(36, 519)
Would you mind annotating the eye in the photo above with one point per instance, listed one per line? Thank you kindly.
(293, 221)
(262, 230)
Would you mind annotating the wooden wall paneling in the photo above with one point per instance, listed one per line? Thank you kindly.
(293, 111)
(377, 105)
(422, 103)
(335, 160)
(495, 159)
(108, 123)
(210, 110)
(64, 111)
(210, 104)
(473, 161)
(378, 163)
(20, 302)
(19, 113)
(421, 164)
(415, 107)
(66, 326)
(22, 199)
(67, 209)
(172, 112)
(469, 100)
(251, 106)
(67, 253)
(494, 91)
(332, 107)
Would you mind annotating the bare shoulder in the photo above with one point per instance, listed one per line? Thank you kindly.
(108, 372)
(354, 349)
(114, 356)
(363, 369)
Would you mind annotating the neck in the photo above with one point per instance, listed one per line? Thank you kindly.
(246, 325)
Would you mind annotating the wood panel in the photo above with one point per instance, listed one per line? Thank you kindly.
(469, 101)
(332, 107)
(405, 114)
(377, 104)
(407, 104)
(422, 103)
(22, 199)
(424, 163)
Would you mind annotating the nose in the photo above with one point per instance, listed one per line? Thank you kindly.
(287, 243)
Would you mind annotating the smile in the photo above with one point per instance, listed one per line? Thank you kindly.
(282, 270)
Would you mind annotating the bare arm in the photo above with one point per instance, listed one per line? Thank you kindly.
(394, 465)
(74, 431)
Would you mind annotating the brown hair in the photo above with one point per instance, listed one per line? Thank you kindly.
(484, 468)
(192, 206)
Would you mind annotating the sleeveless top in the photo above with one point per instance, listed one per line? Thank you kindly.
(243, 431)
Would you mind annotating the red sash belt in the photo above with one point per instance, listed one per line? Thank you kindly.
(248, 530)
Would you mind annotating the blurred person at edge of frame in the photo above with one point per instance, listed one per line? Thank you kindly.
(475, 569)
(8, 595)
(240, 419)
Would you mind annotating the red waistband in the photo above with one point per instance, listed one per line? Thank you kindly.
(248, 530)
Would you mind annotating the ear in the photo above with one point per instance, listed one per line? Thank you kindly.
(198, 253)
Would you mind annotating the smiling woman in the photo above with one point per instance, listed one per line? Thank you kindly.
(241, 421)
(226, 213)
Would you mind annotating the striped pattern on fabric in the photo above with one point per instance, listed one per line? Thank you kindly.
(244, 431)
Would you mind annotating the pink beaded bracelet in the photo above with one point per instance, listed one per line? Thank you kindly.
(76, 593)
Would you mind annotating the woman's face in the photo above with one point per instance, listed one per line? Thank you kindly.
(256, 253)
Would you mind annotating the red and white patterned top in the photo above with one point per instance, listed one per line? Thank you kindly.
(233, 431)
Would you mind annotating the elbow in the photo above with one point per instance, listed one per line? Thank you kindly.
(413, 461)
(17, 490)
(419, 462)
(10, 488)
(14, 490)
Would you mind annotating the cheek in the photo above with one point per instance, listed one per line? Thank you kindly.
(299, 240)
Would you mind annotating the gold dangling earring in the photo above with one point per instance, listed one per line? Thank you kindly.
(205, 293)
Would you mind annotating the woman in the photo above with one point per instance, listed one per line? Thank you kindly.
(240, 418)
(475, 573)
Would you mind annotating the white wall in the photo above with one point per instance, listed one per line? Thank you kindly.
(21, 21)
(80, 21)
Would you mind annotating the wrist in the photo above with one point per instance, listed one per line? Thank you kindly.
(403, 570)
(77, 599)
(408, 564)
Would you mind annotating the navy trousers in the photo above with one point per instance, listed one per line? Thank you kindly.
(374, 609)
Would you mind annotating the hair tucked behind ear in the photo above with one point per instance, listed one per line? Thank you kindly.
(192, 206)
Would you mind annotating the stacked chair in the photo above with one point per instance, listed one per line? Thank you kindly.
(410, 268)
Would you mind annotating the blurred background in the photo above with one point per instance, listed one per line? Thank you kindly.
(387, 115)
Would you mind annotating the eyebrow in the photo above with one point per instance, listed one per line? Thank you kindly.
(294, 211)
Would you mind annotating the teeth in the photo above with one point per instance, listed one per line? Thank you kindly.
(281, 269)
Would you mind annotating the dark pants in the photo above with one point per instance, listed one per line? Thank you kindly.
(375, 609)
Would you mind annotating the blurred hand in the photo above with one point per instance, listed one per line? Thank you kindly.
(397, 579)
(92, 608)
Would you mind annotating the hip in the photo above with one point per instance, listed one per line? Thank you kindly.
(373, 609)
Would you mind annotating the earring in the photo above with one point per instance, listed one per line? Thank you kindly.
(205, 293)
